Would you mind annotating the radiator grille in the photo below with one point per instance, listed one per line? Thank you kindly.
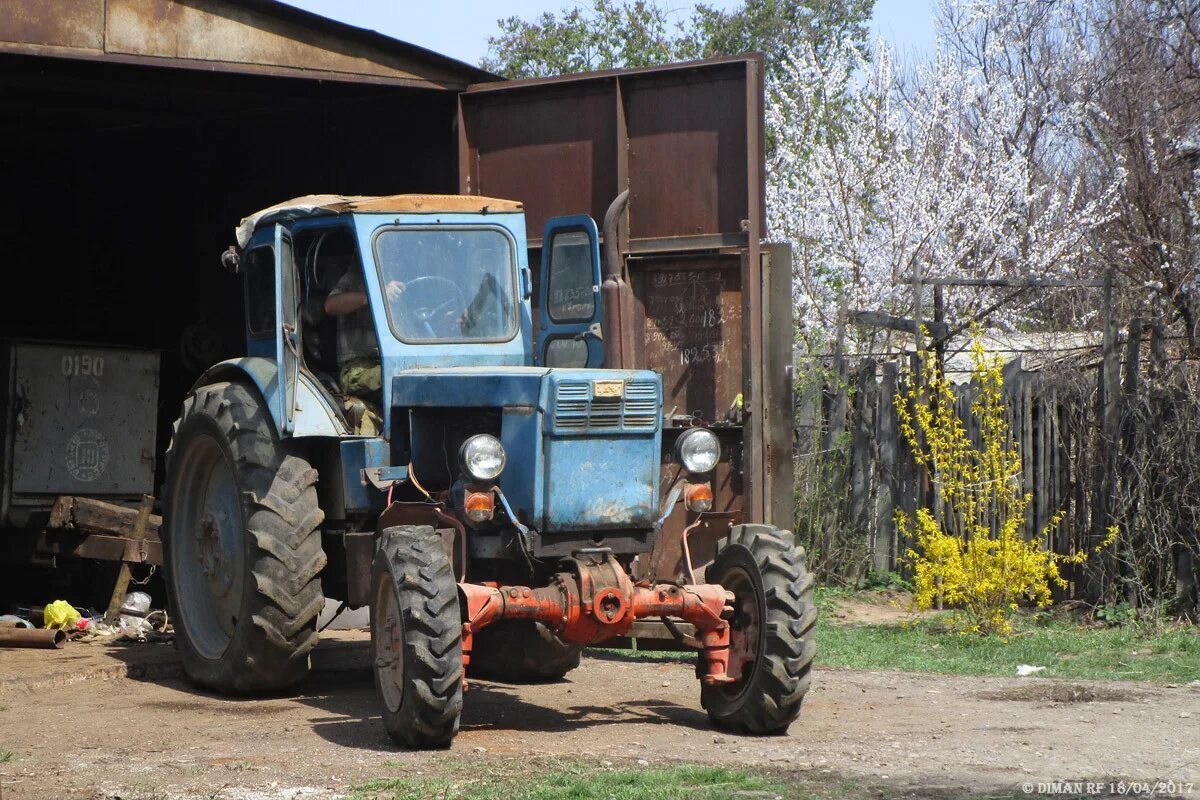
(577, 411)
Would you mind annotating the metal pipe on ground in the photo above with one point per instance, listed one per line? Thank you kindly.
(46, 638)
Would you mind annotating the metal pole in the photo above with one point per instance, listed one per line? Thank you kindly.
(44, 638)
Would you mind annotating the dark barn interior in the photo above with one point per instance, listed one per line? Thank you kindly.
(124, 184)
(125, 174)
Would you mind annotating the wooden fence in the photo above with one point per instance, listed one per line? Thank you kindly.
(1077, 429)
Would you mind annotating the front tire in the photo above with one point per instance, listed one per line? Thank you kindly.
(242, 545)
(773, 625)
(416, 637)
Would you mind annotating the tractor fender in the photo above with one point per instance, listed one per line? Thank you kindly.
(315, 415)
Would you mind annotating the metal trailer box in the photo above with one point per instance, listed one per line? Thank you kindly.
(79, 420)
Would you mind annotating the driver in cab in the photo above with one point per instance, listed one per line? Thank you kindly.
(360, 373)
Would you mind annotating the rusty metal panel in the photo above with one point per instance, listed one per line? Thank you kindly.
(554, 151)
(778, 405)
(687, 152)
(224, 31)
(81, 420)
(690, 315)
(242, 36)
(54, 23)
(685, 139)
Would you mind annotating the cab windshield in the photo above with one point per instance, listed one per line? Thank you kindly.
(448, 284)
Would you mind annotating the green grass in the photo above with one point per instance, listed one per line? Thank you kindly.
(6, 756)
(1163, 654)
(566, 780)
(1166, 654)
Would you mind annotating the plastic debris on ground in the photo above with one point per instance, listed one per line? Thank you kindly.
(1024, 670)
(137, 604)
(136, 623)
(60, 614)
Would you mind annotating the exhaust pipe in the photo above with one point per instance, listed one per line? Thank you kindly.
(612, 290)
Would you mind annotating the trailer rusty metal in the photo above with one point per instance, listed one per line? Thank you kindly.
(710, 306)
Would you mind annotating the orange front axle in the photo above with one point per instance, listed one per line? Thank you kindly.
(598, 601)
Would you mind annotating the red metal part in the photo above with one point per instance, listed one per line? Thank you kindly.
(598, 601)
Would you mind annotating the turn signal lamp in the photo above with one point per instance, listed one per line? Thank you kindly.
(480, 506)
(698, 497)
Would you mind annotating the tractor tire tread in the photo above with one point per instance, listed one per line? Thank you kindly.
(282, 520)
(772, 701)
(427, 592)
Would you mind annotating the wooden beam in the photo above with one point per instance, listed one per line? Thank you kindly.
(98, 516)
(881, 319)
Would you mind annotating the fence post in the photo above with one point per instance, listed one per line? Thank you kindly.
(860, 449)
(887, 499)
(1107, 398)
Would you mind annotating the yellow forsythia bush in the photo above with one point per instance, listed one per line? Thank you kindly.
(988, 570)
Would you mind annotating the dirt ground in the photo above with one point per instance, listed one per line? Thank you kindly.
(95, 721)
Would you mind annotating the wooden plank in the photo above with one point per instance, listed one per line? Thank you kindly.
(89, 514)
(1107, 397)
(98, 546)
(121, 586)
(1027, 454)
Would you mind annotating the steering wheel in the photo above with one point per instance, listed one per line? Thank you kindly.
(425, 306)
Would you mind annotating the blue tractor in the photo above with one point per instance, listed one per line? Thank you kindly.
(405, 432)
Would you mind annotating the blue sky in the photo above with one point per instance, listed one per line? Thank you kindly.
(460, 28)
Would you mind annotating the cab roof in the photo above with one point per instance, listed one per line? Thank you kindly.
(316, 205)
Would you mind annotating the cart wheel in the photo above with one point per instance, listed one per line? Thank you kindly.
(416, 636)
(772, 630)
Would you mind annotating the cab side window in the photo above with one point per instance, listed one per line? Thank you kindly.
(259, 265)
(570, 296)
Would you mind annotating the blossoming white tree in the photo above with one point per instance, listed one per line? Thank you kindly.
(960, 166)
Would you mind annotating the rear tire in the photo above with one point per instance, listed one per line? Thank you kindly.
(522, 651)
(242, 545)
(416, 637)
(776, 615)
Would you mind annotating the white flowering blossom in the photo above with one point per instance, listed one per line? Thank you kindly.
(952, 168)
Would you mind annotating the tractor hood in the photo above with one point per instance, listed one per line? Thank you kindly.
(583, 444)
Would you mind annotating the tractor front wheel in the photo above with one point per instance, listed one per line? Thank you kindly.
(242, 545)
(772, 630)
(416, 637)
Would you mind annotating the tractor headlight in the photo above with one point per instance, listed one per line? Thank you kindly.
(698, 450)
(482, 457)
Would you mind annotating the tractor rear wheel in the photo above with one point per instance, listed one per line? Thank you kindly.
(522, 651)
(242, 545)
(772, 630)
(416, 637)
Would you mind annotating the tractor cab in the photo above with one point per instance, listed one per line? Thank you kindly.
(420, 309)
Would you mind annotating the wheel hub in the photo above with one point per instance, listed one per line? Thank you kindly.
(210, 552)
(388, 634)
